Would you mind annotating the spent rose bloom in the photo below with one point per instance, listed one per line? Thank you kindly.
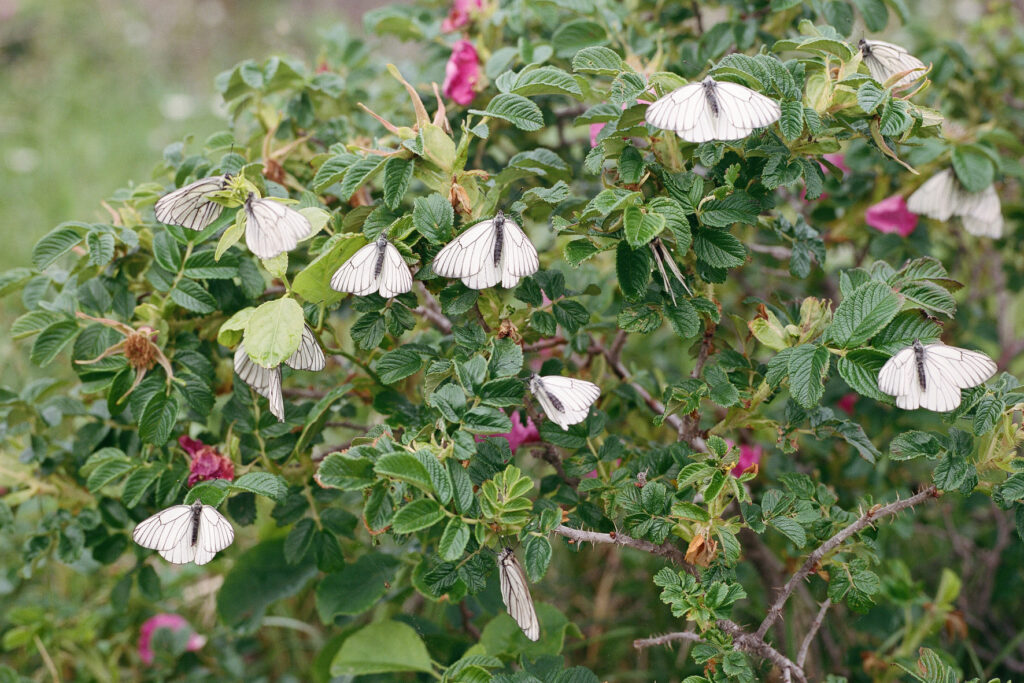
(458, 15)
(174, 622)
(207, 462)
(462, 73)
(522, 432)
(891, 215)
(749, 456)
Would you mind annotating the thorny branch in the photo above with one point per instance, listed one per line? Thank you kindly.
(431, 310)
(805, 646)
(666, 549)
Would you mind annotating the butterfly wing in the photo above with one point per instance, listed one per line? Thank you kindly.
(215, 534)
(941, 393)
(898, 376)
(468, 253)
(164, 530)
(190, 206)
(515, 593)
(684, 111)
(519, 256)
(265, 381)
(741, 111)
(937, 197)
(961, 368)
(271, 228)
(885, 60)
(981, 212)
(395, 276)
(309, 355)
(566, 401)
(356, 275)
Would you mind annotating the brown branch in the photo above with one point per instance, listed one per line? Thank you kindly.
(801, 656)
(755, 645)
(431, 310)
(641, 643)
(775, 251)
(695, 8)
(545, 344)
(812, 561)
(619, 369)
(667, 549)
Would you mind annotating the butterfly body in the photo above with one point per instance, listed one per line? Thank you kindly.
(499, 236)
(382, 245)
(922, 379)
(565, 400)
(709, 92)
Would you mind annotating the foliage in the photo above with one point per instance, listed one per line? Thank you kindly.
(368, 518)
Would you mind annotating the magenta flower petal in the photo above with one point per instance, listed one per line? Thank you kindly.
(207, 462)
(521, 433)
(891, 215)
(837, 160)
(749, 456)
(847, 403)
(458, 15)
(174, 622)
(462, 73)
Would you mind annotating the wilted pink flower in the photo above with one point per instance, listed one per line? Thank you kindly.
(520, 434)
(173, 622)
(847, 402)
(207, 462)
(458, 16)
(891, 215)
(749, 457)
(462, 73)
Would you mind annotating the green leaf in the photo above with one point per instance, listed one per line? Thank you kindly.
(56, 243)
(52, 341)
(578, 251)
(722, 391)
(547, 80)
(417, 515)
(792, 120)
(506, 358)
(433, 218)
(405, 467)
(272, 486)
(641, 228)
(598, 61)
(573, 36)
(313, 282)
(356, 588)
(358, 174)
(259, 577)
(347, 471)
(332, 171)
(516, 109)
(790, 528)
(166, 251)
(101, 247)
(204, 265)
(397, 176)
(875, 14)
(536, 557)
(973, 167)
(396, 365)
(986, 414)
(502, 392)
(273, 332)
(137, 483)
(738, 207)
(382, 647)
(453, 540)
(863, 314)
(915, 444)
(486, 420)
(859, 368)
(719, 248)
(855, 583)
(158, 419)
(870, 95)
(631, 165)
(633, 267)
(191, 295)
(683, 317)
(808, 366)
(14, 279)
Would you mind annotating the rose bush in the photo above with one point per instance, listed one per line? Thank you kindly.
(852, 541)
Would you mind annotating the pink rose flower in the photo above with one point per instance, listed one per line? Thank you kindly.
(847, 402)
(462, 73)
(172, 622)
(891, 215)
(207, 462)
(521, 433)
(837, 160)
(458, 16)
(749, 457)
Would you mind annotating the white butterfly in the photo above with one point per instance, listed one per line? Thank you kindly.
(713, 110)
(267, 381)
(271, 228)
(566, 401)
(377, 267)
(885, 60)
(515, 592)
(942, 197)
(190, 206)
(492, 251)
(185, 533)
(931, 376)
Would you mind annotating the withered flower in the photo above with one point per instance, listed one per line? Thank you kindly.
(138, 347)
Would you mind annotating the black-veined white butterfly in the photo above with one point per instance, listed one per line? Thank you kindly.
(931, 375)
(377, 267)
(885, 60)
(185, 533)
(942, 197)
(492, 251)
(267, 381)
(713, 110)
(190, 206)
(515, 592)
(566, 401)
(271, 228)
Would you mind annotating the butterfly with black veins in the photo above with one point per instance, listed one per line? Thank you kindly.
(267, 381)
(492, 251)
(566, 401)
(191, 206)
(185, 533)
(515, 593)
(713, 110)
(931, 375)
(885, 60)
(377, 267)
(942, 196)
(271, 228)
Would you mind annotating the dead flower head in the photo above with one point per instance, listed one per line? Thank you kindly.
(138, 348)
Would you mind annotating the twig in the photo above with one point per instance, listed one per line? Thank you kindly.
(690, 432)
(641, 643)
(812, 561)
(695, 7)
(50, 666)
(801, 656)
(619, 369)
(545, 344)
(431, 310)
(666, 549)
(467, 621)
(755, 645)
(775, 251)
